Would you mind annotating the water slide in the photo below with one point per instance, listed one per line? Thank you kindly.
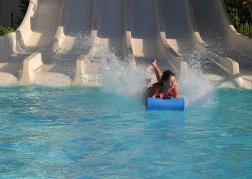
(222, 39)
(146, 39)
(191, 28)
(35, 33)
(54, 45)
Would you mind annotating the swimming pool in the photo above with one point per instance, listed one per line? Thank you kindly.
(87, 132)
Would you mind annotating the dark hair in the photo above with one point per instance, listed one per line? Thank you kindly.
(166, 75)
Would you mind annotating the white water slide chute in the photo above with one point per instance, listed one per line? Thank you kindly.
(54, 45)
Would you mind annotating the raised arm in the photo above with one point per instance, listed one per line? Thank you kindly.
(158, 72)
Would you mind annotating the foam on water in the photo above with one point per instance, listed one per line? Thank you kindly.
(118, 75)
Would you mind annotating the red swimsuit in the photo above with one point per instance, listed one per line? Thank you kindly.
(168, 94)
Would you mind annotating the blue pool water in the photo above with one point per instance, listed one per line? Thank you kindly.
(86, 132)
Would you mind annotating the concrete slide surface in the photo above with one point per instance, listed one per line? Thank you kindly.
(180, 31)
(36, 31)
(221, 38)
(54, 45)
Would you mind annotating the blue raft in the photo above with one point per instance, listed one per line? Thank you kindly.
(174, 104)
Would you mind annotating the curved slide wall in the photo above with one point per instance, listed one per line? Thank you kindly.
(50, 50)
(85, 21)
(37, 29)
(221, 38)
(182, 34)
(147, 42)
(111, 25)
(61, 67)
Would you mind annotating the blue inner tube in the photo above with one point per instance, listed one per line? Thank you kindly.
(174, 104)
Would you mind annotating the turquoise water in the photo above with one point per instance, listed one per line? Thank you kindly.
(84, 132)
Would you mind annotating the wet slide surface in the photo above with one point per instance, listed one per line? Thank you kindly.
(145, 33)
(87, 24)
(77, 19)
(171, 31)
(216, 31)
(177, 23)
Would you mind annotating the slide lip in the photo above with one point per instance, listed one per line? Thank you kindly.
(174, 104)
(135, 40)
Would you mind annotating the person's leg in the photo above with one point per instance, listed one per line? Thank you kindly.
(157, 70)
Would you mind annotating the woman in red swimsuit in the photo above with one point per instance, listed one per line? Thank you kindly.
(166, 87)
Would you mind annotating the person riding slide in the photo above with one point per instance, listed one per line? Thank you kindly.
(166, 87)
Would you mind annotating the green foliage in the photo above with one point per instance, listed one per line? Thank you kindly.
(240, 17)
(6, 30)
(23, 8)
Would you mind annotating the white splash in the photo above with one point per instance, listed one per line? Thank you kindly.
(121, 77)
(196, 89)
